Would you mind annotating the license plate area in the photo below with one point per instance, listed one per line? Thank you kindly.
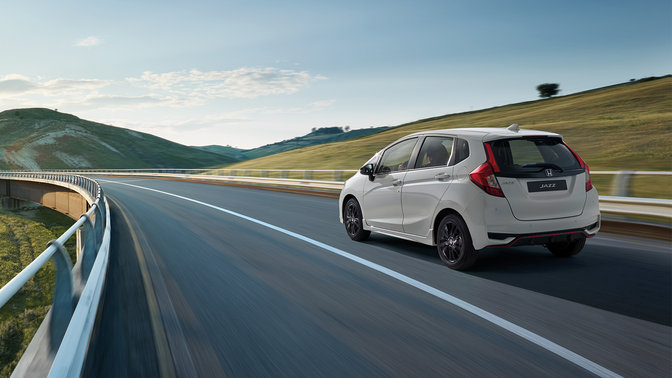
(546, 186)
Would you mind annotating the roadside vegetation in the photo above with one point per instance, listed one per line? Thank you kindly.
(24, 234)
(622, 127)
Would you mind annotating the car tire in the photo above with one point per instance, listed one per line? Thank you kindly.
(453, 243)
(352, 219)
(566, 249)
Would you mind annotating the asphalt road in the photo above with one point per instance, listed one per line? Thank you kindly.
(258, 283)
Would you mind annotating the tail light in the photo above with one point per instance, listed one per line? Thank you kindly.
(589, 184)
(484, 176)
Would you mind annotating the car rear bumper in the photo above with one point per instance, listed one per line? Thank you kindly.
(541, 238)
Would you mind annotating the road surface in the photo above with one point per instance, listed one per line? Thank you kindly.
(209, 280)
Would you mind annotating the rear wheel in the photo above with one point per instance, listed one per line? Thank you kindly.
(352, 218)
(568, 248)
(454, 243)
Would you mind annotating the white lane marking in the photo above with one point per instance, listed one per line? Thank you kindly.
(492, 318)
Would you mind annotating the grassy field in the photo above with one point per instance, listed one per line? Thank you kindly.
(24, 234)
(627, 126)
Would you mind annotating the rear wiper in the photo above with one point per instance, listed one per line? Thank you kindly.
(543, 165)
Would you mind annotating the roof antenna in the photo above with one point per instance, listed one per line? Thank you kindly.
(515, 128)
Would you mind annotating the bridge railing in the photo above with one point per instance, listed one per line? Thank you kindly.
(59, 346)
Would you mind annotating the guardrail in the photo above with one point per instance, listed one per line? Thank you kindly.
(661, 208)
(620, 184)
(306, 174)
(617, 204)
(61, 341)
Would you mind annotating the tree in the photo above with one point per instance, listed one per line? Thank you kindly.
(548, 89)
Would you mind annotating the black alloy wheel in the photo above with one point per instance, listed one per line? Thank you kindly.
(352, 218)
(454, 243)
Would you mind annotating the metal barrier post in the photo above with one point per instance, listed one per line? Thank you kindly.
(89, 251)
(98, 225)
(621, 183)
(61, 310)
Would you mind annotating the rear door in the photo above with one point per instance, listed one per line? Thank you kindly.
(426, 183)
(540, 177)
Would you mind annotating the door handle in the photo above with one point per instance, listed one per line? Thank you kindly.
(442, 176)
(397, 182)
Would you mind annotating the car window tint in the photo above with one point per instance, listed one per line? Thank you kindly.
(435, 152)
(461, 151)
(532, 153)
(396, 157)
(524, 152)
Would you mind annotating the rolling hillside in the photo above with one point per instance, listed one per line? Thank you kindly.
(317, 136)
(626, 126)
(45, 139)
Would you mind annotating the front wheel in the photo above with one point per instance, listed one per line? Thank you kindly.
(454, 243)
(352, 218)
(568, 248)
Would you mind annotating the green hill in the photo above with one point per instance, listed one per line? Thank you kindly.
(317, 136)
(45, 139)
(625, 126)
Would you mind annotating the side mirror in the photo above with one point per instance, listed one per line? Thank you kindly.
(367, 170)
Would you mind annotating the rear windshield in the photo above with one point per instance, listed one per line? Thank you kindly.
(533, 155)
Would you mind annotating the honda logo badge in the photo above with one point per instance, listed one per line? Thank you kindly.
(549, 173)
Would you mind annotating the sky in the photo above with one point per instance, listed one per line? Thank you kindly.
(249, 73)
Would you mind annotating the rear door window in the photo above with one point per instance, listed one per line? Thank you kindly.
(435, 152)
(532, 155)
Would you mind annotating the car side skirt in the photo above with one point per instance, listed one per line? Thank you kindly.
(401, 235)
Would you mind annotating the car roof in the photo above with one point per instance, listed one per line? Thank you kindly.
(489, 133)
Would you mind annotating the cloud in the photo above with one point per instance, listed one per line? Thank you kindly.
(210, 122)
(16, 85)
(239, 83)
(59, 85)
(89, 42)
(322, 104)
(177, 89)
(97, 101)
(304, 109)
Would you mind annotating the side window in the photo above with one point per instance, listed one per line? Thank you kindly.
(461, 151)
(396, 157)
(435, 152)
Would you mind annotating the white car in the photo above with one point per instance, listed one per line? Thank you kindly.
(468, 189)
